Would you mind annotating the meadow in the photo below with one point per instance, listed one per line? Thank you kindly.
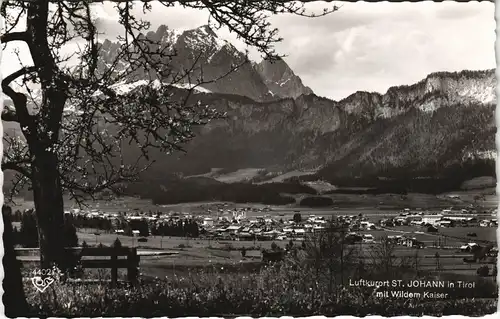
(201, 277)
(162, 256)
(294, 289)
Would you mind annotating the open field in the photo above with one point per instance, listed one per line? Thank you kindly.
(188, 253)
(241, 175)
(285, 176)
(483, 234)
(159, 242)
(185, 254)
(246, 174)
(341, 201)
(185, 260)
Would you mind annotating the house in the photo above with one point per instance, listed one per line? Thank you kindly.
(386, 223)
(411, 218)
(233, 229)
(368, 238)
(469, 221)
(245, 236)
(431, 219)
(299, 233)
(395, 239)
(318, 228)
(208, 222)
(488, 223)
(257, 230)
(265, 236)
(418, 223)
(412, 242)
(468, 247)
(444, 223)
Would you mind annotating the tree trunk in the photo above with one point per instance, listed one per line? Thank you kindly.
(49, 208)
(14, 298)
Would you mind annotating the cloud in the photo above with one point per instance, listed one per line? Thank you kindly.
(464, 11)
(362, 46)
(381, 45)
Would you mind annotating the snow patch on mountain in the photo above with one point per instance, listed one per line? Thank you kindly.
(429, 107)
(441, 89)
(204, 39)
(171, 36)
(386, 112)
(482, 155)
(125, 88)
(188, 86)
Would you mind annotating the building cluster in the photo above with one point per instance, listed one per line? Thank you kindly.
(259, 223)
(233, 224)
(138, 223)
(446, 218)
(405, 240)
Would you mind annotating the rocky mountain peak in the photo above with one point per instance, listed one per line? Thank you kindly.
(437, 90)
(202, 38)
(214, 58)
(280, 79)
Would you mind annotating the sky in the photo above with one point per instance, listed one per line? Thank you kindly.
(363, 46)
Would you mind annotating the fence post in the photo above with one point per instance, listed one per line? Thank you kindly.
(114, 266)
(133, 265)
(438, 265)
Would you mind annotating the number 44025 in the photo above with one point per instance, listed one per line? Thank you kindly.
(44, 272)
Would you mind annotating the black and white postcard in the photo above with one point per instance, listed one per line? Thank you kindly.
(248, 158)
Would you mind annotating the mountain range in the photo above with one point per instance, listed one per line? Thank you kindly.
(442, 127)
(210, 59)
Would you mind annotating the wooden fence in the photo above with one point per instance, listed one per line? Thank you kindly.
(113, 262)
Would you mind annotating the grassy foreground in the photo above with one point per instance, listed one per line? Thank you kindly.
(292, 290)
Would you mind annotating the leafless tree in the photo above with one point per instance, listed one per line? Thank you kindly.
(79, 152)
(384, 260)
(328, 252)
(74, 123)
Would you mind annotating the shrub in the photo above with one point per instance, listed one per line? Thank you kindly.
(294, 287)
(117, 243)
(483, 271)
(291, 289)
(297, 217)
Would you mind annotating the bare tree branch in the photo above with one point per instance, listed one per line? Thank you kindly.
(14, 36)
(15, 167)
(9, 116)
(83, 121)
(11, 77)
